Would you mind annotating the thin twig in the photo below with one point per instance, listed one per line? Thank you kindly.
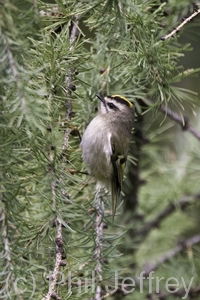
(59, 252)
(98, 243)
(164, 38)
(5, 237)
(59, 240)
(53, 12)
(35, 237)
(182, 204)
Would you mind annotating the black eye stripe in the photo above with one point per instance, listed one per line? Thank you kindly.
(111, 105)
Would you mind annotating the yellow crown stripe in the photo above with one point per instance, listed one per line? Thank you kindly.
(123, 98)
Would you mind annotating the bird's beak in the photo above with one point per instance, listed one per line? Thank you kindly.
(103, 101)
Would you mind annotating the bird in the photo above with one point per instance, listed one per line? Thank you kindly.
(105, 143)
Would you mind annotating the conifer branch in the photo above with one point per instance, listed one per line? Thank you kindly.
(15, 74)
(68, 81)
(5, 238)
(59, 240)
(7, 253)
(182, 204)
(186, 20)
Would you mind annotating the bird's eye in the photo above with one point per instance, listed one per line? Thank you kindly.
(111, 105)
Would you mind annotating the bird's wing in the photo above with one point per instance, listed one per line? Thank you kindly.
(118, 163)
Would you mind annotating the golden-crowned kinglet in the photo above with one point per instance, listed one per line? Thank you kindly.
(105, 143)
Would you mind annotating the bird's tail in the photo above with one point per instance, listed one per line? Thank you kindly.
(118, 167)
(116, 190)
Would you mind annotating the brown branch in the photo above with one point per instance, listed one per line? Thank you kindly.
(183, 122)
(149, 267)
(182, 204)
(164, 38)
(5, 237)
(192, 294)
